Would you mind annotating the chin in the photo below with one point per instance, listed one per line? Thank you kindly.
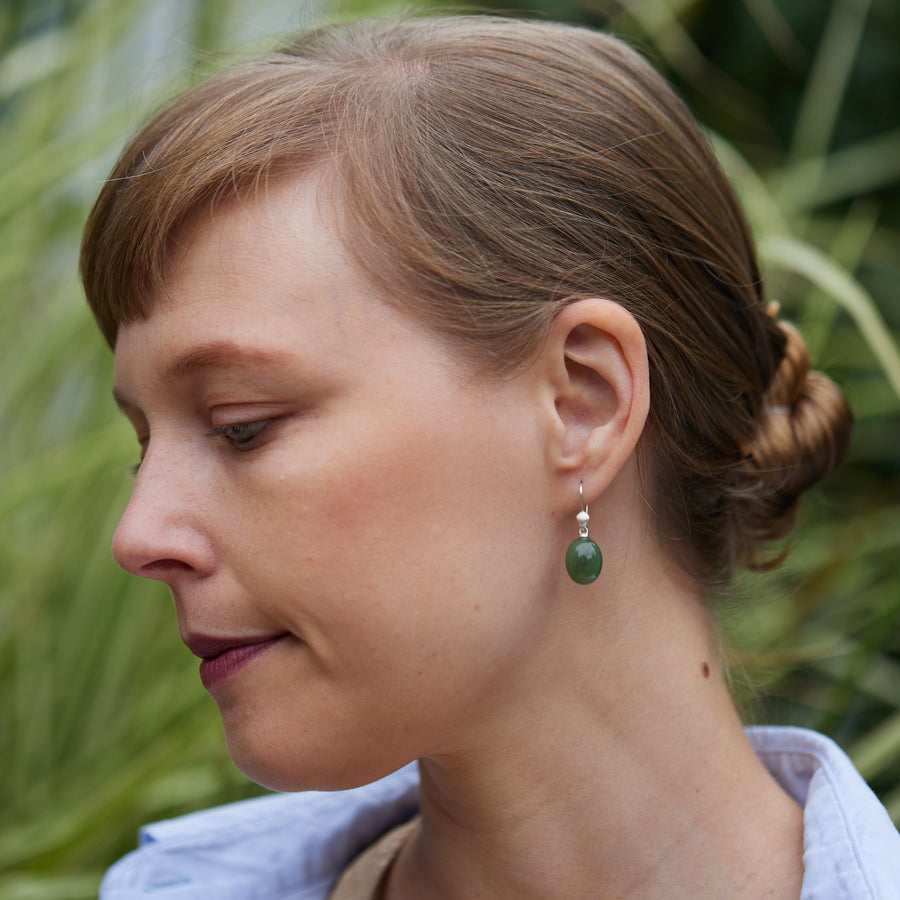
(287, 768)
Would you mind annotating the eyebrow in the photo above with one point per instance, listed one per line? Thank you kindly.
(214, 355)
(220, 355)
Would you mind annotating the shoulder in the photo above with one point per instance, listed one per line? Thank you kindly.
(274, 847)
(851, 847)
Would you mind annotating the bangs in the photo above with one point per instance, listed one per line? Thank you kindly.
(224, 137)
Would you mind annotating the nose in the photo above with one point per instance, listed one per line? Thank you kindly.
(161, 534)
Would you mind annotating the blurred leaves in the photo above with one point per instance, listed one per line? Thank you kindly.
(791, 255)
(103, 724)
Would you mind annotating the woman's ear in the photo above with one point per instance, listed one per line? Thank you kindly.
(594, 363)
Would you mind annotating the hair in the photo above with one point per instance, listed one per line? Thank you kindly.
(491, 171)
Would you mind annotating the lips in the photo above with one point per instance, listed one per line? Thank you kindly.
(222, 657)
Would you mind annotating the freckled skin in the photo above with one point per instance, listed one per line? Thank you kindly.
(366, 519)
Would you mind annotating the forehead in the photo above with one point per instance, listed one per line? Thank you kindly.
(282, 225)
(262, 278)
(253, 257)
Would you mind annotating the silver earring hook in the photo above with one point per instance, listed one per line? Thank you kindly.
(582, 517)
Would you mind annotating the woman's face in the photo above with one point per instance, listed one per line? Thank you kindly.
(351, 524)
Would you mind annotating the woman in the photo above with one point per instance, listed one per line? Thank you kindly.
(459, 401)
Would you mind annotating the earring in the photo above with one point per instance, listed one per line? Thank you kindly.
(583, 558)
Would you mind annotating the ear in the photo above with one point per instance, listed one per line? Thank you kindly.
(594, 366)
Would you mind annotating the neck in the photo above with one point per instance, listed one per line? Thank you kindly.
(614, 766)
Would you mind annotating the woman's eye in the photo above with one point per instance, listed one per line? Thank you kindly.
(136, 467)
(241, 434)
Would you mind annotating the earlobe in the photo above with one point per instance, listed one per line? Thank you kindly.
(596, 359)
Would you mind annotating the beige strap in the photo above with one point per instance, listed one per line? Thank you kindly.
(366, 877)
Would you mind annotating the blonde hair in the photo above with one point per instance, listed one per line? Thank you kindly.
(490, 171)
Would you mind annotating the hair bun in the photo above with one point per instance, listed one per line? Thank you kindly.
(803, 432)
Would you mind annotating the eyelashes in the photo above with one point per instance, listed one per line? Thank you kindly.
(136, 467)
(241, 436)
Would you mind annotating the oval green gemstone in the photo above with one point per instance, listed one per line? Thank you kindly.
(583, 560)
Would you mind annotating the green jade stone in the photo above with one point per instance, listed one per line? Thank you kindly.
(583, 560)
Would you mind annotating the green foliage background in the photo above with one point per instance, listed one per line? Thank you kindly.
(103, 724)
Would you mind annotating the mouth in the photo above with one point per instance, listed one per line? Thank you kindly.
(222, 657)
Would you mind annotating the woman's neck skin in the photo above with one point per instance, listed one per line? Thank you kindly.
(611, 765)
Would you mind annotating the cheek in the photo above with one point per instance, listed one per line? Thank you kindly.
(423, 504)
(390, 524)
(404, 559)
(383, 479)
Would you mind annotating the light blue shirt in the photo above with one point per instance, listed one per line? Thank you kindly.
(295, 846)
